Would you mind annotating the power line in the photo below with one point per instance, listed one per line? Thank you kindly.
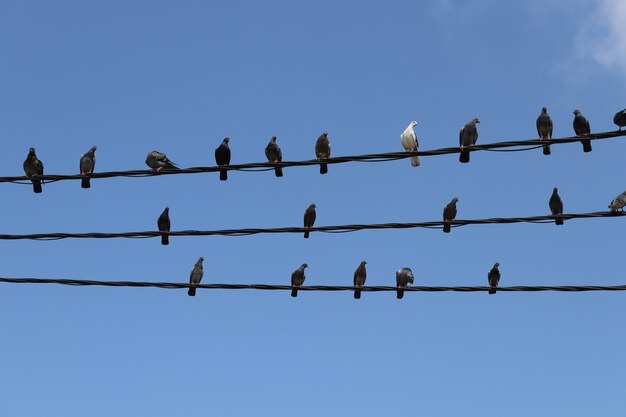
(324, 229)
(380, 157)
(267, 287)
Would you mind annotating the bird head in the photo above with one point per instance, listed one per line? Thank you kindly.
(496, 265)
(93, 149)
(31, 151)
(556, 190)
(325, 134)
(413, 123)
(454, 200)
(226, 140)
(475, 120)
(167, 209)
(363, 263)
(304, 265)
(544, 109)
(312, 206)
(200, 259)
(273, 139)
(577, 112)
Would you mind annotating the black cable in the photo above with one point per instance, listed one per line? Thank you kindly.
(375, 288)
(381, 157)
(325, 229)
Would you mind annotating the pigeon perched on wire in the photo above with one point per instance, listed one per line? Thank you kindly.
(360, 274)
(544, 129)
(493, 277)
(322, 151)
(195, 277)
(467, 139)
(274, 154)
(404, 276)
(410, 142)
(222, 157)
(87, 164)
(556, 205)
(620, 119)
(158, 161)
(582, 128)
(618, 203)
(163, 223)
(309, 219)
(449, 214)
(297, 279)
(33, 168)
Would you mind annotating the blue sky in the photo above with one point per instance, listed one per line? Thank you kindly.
(130, 77)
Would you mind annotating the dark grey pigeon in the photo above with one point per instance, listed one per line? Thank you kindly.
(159, 161)
(322, 151)
(493, 277)
(274, 154)
(404, 276)
(297, 279)
(544, 129)
(467, 138)
(449, 214)
(33, 168)
(309, 219)
(556, 205)
(163, 224)
(87, 164)
(359, 279)
(195, 277)
(618, 203)
(222, 157)
(620, 119)
(582, 128)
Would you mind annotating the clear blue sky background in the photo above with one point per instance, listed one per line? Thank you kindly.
(132, 76)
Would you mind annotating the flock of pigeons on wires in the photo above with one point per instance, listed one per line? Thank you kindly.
(468, 136)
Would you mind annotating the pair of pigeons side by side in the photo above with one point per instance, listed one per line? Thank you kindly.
(33, 168)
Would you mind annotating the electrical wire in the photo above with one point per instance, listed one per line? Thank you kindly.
(324, 229)
(267, 287)
(380, 157)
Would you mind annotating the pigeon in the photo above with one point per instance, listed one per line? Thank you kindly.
(33, 168)
(322, 151)
(297, 279)
(359, 278)
(87, 164)
(449, 214)
(467, 138)
(618, 203)
(556, 205)
(494, 278)
(222, 157)
(309, 219)
(159, 161)
(544, 129)
(410, 142)
(581, 127)
(163, 224)
(403, 277)
(195, 277)
(620, 119)
(274, 154)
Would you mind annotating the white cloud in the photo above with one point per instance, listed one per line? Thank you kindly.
(603, 36)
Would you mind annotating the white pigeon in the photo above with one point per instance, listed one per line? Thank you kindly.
(618, 203)
(410, 143)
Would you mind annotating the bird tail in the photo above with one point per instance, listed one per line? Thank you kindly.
(546, 150)
(170, 165)
(85, 183)
(400, 294)
(165, 240)
(223, 175)
(464, 157)
(357, 294)
(446, 227)
(558, 222)
(192, 291)
(415, 161)
(492, 290)
(306, 234)
(36, 186)
(586, 145)
(294, 292)
(323, 168)
(278, 171)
